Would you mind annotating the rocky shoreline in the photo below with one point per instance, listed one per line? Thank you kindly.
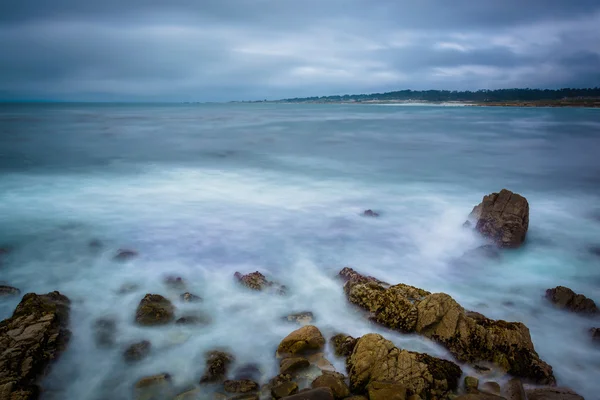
(376, 369)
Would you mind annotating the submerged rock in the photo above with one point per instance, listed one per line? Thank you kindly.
(370, 213)
(155, 387)
(127, 288)
(95, 244)
(343, 344)
(503, 218)
(305, 340)
(552, 393)
(7, 291)
(376, 359)
(190, 298)
(217, 365)
(302, 318)
(196, 319)
(491, 387)
(30, 341)
(248, 371)
(470, 337)
(174, 282)
(487, 251)
(137, 351)
(595, 333)
(257, 281)
(565, 298)
(154, 309)
(125, 255)
(105, 332)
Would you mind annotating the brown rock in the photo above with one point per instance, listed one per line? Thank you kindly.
(470, 337)
(565, 298)
(190, 298)
(471, 384)
(6, 291)
(137, 351)
(30, 341)
(125, 255)
(257, 281)
(240, 386)
(347, 274)
(491, 387)
(284, 389)
(552, 393)
(356, 397)
(335, 382)
(343, 344)
(502, 217)
(312, 394)
(319, 361)
(192, 394)
(217, 365)
(155, 387)
(154, 310)
(479, 396)
(302, 341)
(302, 318)
(376, 359)
(292, 365)
(514, 390)
(386, 391)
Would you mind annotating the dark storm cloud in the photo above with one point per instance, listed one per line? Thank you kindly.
(254, 49)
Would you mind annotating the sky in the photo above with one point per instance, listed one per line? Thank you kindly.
(222, 50)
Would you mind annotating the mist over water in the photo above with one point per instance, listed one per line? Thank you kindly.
(202, 191)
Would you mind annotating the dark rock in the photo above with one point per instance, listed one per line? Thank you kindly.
(565, 298)
(284, 389)
(192, 394)
(376, 359)
(302, 341)
(370, 213)
(503, 218)
(257, 281)
(343, 344)
(128, 288)
(471, 384)
(175, 282)
(6, 291)
(479, 396)
(4, 251)
(312, 394)
(240, 386)
(30, 341)
(514, 390)
(348, 274)
(302, 318)
(154, 310)
(190, 298)
(198, 319)
(356, 397)
(248, 371)
(245, 396)
(125, 255)
(217, 365)
(595, 332)
(290, 366)
(386, 391)
(137, 351)
(439, 317)
(335, 382)
(491, 387)
(105, 332)
(155, 387)
(552, 393)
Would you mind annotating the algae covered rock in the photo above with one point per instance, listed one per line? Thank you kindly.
(259, 282)
(302, 341)
(240, 386)
(342, 344)
(154, 387)
(137, 351)
(154, 309)
(217, 365)
(565, 298)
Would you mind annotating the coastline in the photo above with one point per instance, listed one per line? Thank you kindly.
(579, 103)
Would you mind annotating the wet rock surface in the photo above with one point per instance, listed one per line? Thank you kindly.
(217, 365)
(105, 332)
(335, 382)
(565, 298)
(190, 298)
(555, 393)
(302, 341)
(154, 387)
(137, 351)
(240, 386)
(154, 309)
(284, 389)
(259, 282)
(503, 218)
(342, 344)
(194, 319)
(470, 337)
(312, 394)
(386, 391)
(9, 291)
(301, 318)
(30, 340)
(292, 365)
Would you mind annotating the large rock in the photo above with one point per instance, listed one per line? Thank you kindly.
(552, 393)
(595, 333)
(302, 341)
(217, 365)
(377, 360)
(30, 341)
(312, 394)
(240, 386)
(6, 291)
(137, 351)
(155, 387)
(335, 382)
(342, 344)
(154, 310)
(257, 281)
(386, 391)
(470, 337)
(292, 365)
(565, 298)
(502, 217)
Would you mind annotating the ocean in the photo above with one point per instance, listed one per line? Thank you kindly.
(201, 191)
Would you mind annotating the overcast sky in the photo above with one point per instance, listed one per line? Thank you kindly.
(218, 50)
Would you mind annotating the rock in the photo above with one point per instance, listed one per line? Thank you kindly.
(105, 332)
(292, 365)
(245, 396)
(471, 384)
(319, 360)
(370, 213)
(470, 337)
(6, 291)
(335, 382)
(128, 288)
(217, 365)
(30, 341)
(565, 298)
(284, 389)
(514, 390)
(155, 387)
(312, 394)
(552, 393)
(342, 344)
(248, 371)
(198, 319)
(190, 298)
(302, 318)
(240, 386)
(479, 396)
(503, 218)
(137, 351)
(302, 341)
(376, 359)
(95, 244)
(174, 282)
(192, 394)
(595, 332)
(257, 281)
(487, 251)
(491, 387)
(154, 310)
(348, 274)
(356, 397)
(125, 255)
(386, 391)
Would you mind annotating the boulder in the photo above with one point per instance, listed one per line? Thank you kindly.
(305, 340)
(386, 391)
(292, 365)
(503, 218)
(342, 344)
(348, 274)
(217, 365)
(565, 298)
(137, 351)
(190, 298)
(6, 291)
(312, 394)
(302, 318)
(470, 337)
(240, 386)
(257, 281)
(30, 341)
(284, 389)
(356, 397)
(514, 390)
(105, 332)
(155, 387)
(125, 255)
(471, 384)
(174, 282)
(552, 393)
(491, 387)
(319, 361)
(370, 213)
(154, 310)
(335, 382)
(376, 359)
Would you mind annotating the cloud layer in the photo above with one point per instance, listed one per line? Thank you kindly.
(218, 50)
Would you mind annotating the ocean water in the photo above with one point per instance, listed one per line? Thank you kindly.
(202, 191)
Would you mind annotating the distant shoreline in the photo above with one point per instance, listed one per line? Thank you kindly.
(578, 103)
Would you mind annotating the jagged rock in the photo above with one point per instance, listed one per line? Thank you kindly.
(175, 282)
(240, 386)
(565, 298)
(137, 351)
(155, 387)
(347, 274)
(125, 255)
(302, 318)
(190, 298)
(105, 332)
(471, 384)
(491, 387)
(552, 393)
(292, 365)
(343, 344)
(302, 341)
(30, 340)
(217, 364)
(154, 310)
(370, 213)
(196, 319)
(312, 394)
(376, 359)
(386, 391)
(284, 389)
(335, 382)
(470, 337)
(503, 218)
(257, 281)
(6, 291)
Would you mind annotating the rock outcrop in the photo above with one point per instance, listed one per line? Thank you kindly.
(342, 344)
(305, 340)
(565, 298)
(190, 298)
(470, 337)
(6, 291)
(552, 393)
(217, 365)
(259, 282)
(301, 318)
(30, 341)
(377, 360)
(154, 309)
(503, 218)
